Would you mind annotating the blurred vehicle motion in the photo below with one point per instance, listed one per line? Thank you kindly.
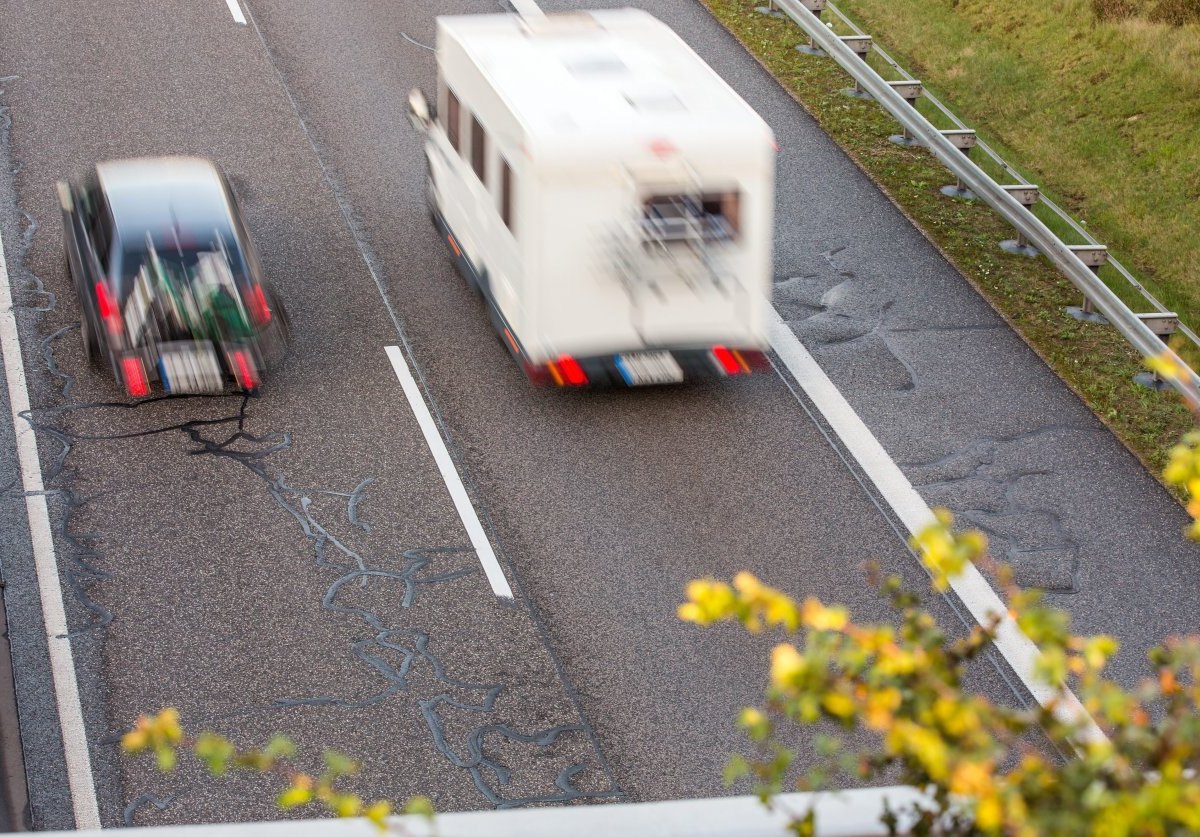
(169, 286)
(608, 194)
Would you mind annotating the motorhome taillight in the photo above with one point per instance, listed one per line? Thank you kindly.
(754, 360)
(567, 372)
(135, 377)
(537, 373)
(256, 301)
(572, 371)
(729, 361)
(110, 313)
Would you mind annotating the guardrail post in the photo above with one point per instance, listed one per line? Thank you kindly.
(1027, 195)
(861, 46)
(816, 7)
(964, 140)
(1164, 324)
(910, 91)
(1094, 256)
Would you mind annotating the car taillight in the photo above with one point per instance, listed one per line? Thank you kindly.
(135, 377)
(537, 373)
(256, 301)
(730, 361)
(110, 313)
(567, 371)
(243, 368)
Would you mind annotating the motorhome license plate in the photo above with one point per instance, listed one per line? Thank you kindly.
(645, 368)
(190, 368)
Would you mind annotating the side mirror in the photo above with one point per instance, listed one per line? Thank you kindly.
(418, 111)
(65, 199)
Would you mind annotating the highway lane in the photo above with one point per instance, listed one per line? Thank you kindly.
(607, 504)
(601, 507)
(200, 589)
(215, 549)
(976, 418)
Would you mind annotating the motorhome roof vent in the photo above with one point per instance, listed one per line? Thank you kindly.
(654, 101)
(594, 64)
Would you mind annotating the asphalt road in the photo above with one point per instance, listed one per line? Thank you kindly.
(293, 562)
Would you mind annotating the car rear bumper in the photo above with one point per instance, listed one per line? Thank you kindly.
(189, 368)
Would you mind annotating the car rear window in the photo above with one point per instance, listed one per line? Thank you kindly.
(179, 255)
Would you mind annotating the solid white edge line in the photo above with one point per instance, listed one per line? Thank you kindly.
(236, 11)
(437, 446)
(62, 660)
(970, 585)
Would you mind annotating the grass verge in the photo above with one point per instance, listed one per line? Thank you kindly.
(1108, 109)
(1029, 293)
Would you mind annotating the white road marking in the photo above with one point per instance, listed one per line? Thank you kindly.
(437, 446)
(236, 11)
(970, 585)
(527, 9)
(62, 660)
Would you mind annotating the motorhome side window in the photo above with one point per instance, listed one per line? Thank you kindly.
(506, 193)
(716, 216)
(453, 120)
(478, 149)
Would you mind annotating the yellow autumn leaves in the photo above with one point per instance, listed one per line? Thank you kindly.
(1183, 470)
(159, 733)
(1166, 365)
(946, 553)
(903, 684)
(756, 605)
(163, 735)
(1183, 465)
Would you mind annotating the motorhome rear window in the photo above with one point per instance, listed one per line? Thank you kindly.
(715, 215)
(478, 149)
(727, 207)
(453, 120)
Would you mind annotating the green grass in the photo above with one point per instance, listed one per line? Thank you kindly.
(1094, 360)
(1104, 116)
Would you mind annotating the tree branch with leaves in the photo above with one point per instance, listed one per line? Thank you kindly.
(163, 736)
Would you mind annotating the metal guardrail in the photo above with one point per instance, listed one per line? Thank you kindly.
(851, 813)
(1079, 263)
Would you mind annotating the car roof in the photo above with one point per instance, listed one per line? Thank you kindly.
(156, 194)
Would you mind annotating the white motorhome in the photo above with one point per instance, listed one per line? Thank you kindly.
(610, 196)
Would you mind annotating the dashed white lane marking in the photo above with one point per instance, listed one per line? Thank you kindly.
(236, 11)
(466, 511)
(527, 9)
(62, 660)
(970, 585)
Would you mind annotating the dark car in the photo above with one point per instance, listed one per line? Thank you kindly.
(169, 285)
